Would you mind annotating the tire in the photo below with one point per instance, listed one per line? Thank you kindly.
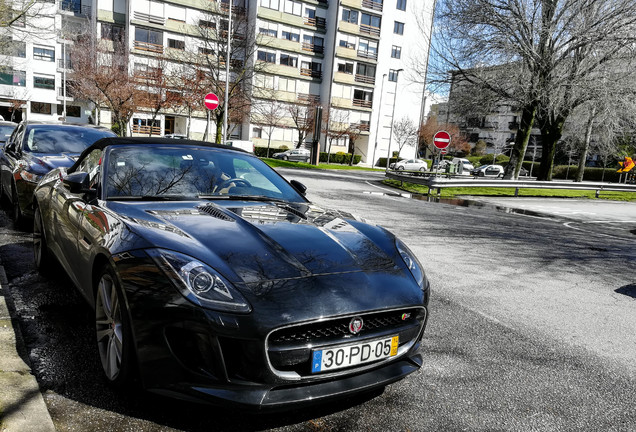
(307, 160)
(112, 330)
(285, 158)
(400, 168)
(482, 174)
(41, 255)
(422, 169)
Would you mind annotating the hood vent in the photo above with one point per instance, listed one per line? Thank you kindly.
(216, 212)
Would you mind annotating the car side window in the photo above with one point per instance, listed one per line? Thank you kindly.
(91, 164)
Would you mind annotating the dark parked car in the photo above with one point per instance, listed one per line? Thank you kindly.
(298, 155)
(216, 280)
(34, 149)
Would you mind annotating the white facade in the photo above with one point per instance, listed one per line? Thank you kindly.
(342, 54)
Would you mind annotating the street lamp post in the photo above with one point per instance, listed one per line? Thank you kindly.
(377, 128)
(388, 152)
(227, 72)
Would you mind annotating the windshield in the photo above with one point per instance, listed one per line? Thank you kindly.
(56, 139)
(157, 172)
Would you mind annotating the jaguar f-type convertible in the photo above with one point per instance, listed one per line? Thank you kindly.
(214, 279)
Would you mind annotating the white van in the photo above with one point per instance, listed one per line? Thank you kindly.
(248, 146)
(464, 166)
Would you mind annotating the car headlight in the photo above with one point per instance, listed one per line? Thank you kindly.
(199, 283)
(30, 177)
(411, 262)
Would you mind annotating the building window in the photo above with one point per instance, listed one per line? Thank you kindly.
(294, 37)
(287, 84)
(206, 51)
(71, 110)
(268, 32)
(266, 56)
(176, 44)
(112, 32)
(148, 36)
(347, 44)
(11, 77)
(370, 20)
(396, 52)
(293, 7)
(398, 28)
(366, 70)
(207, 24)
(401, 5)
(350, 16)
(45, 54)
(368, 49)
(393, 75)
(287, 60)
(257, 132)
(44, 82)
(146, 126)
(40, 108)
(270, 4)
(345, 68)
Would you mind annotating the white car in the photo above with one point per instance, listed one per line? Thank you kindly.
(411, 165)
(298, 155)
(488, 171)
(464, 167)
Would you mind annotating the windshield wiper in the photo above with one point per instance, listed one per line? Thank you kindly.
(151, 198)
(242, 198)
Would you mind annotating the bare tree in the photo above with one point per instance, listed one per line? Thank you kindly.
(100, 74)
(335, 126)
(154, 87)
(303, 117)
(405, 133)
(270, 115)
(542, 55)
(188, 85)
(22, 19)
(213, 33)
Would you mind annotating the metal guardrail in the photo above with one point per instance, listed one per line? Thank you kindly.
(442, 180)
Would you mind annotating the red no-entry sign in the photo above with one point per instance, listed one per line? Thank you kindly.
(211, 101)
(441, 139)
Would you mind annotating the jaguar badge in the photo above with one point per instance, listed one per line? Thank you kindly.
(355, 325)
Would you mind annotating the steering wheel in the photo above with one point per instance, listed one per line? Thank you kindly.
(237, 182)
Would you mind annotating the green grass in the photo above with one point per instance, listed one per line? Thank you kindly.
(275, 163)
(510, 192)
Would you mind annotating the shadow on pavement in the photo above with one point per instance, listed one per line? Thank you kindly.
(628, 290)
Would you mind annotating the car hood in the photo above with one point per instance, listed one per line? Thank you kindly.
(254, 241)
(47, 162)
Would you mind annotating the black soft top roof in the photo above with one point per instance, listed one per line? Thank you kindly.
(111, 141)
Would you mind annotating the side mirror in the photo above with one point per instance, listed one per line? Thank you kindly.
(78, 183)
(9, 147)
(300, 188)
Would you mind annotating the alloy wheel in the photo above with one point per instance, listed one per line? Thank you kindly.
(109, 326)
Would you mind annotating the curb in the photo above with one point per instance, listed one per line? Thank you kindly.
(22, 406)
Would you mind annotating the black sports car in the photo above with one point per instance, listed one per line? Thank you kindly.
(34, 149)
(215, 280)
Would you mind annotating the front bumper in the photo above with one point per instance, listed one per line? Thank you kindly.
(195, 354)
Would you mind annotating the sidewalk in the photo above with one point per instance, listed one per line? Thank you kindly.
(22, 407)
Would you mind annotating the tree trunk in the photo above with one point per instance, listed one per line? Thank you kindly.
(219, 128)
(528, 115)
(551, 131)
(586, 146)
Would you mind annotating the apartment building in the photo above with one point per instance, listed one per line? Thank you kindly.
(352, 57)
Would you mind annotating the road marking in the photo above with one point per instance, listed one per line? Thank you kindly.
(607, 222)
(390, 191)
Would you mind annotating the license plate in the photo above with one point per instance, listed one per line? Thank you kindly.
(351, 355)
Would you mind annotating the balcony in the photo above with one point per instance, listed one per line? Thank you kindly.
(311, 73)
(363, 127)
(361, 103)
(309, 98)
(147, 46)
(69, 93)
(146, 130)
(317, 22)
(77, 8)
(237, 10)
(365, 79)
(370, 4)
(370, 55)
(318, 49)
(373, 31)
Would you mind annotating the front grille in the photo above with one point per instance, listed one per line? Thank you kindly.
(339, 328)
(290, 348)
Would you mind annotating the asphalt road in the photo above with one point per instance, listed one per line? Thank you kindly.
(531, 328)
